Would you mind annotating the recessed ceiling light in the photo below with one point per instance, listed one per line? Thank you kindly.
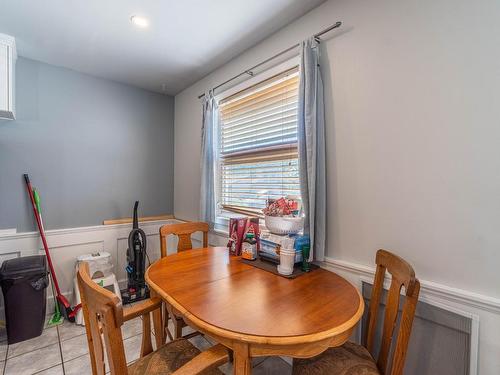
(139, 21)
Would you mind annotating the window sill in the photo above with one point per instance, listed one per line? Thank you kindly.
(220, 232)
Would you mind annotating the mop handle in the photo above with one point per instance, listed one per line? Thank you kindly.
(42, 234)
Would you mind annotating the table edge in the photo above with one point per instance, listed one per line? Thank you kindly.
(258, 339)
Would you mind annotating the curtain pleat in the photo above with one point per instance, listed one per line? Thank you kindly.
(208, 153)
(311, 147)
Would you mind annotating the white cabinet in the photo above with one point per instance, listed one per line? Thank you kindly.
(8, 58)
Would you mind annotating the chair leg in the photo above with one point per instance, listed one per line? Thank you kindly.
(178, 323)
(146, 345)
(168, 334)
(230, 355)
(158, 327)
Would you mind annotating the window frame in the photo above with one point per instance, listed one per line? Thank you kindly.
(223, 216)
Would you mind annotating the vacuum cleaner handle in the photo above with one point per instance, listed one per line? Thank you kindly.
(135, 222)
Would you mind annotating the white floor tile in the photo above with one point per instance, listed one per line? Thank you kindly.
(32, 362)
(48, 337)
(200, 342)
(78, 366)
(56, 370)
(132, 328)
(68, 330)
(132, 348)
(185, 330)
(75, 347)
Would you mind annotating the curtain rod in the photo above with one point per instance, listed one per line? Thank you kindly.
(250, 70)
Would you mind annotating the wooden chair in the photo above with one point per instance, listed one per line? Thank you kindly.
(104, 316)
(354, 359)
(183, 231)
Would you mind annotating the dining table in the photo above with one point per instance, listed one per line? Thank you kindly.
(255, 312)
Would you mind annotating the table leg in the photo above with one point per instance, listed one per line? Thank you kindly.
(242, 364)
(158, 323)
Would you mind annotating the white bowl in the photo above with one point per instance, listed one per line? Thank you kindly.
(283, 224)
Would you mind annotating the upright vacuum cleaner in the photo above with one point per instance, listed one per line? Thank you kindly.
(136, 257)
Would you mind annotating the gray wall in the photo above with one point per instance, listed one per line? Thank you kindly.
(90, 145)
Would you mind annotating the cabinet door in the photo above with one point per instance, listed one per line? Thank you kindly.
(4, 78)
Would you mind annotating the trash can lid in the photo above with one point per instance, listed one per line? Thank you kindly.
(23, 267)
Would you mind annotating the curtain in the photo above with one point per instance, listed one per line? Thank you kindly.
(208, 151)
(311, 146)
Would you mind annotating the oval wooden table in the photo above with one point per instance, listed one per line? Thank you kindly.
(252, 311)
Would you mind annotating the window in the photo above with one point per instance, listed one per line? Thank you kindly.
(258, 145)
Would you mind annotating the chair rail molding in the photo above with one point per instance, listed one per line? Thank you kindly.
(429, 289)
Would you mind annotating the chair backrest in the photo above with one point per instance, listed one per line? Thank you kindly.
(183, 231)
(402, 275)
(102, 311)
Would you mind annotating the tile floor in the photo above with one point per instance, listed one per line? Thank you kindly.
(63, 350)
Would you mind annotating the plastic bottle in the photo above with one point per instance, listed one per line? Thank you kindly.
(249, 247)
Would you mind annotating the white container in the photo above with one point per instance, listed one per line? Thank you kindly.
(100, 264)
(287, 260)
(109, 282)
(284, 224)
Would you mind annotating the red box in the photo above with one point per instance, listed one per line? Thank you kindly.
(237, 230)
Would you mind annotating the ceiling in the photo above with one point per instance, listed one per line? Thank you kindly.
(186, 39)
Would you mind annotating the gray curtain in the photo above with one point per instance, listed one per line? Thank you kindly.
(311, 143)
(208, 148)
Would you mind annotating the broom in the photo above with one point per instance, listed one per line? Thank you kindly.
(65, 308)
(57, 318)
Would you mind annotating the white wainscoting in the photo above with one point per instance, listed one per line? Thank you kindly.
(66, 244)
(481, 309)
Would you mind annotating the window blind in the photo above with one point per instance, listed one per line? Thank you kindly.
(258, 144)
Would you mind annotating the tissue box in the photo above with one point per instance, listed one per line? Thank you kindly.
(270, 242)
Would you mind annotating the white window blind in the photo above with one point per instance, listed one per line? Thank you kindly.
(258, 145)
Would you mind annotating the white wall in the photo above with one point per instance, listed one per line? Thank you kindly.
(412, 138)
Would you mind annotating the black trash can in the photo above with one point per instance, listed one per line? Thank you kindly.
(24, 284)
